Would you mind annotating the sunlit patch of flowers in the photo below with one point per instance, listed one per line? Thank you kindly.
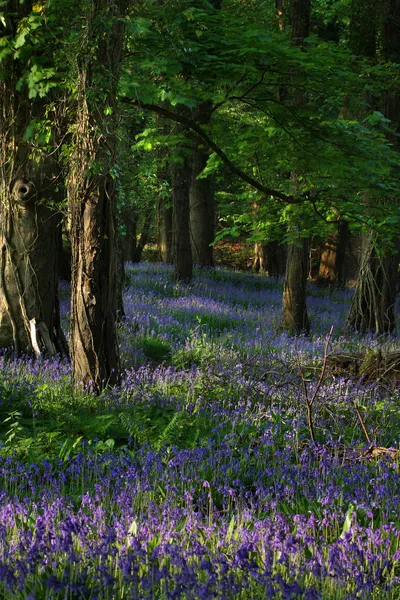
(227, 498)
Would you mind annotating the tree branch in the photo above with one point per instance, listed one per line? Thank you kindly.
(191, 124)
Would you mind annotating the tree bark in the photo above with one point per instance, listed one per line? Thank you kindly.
(294, 310)
(93, 337)
(372, 307)
(363, 27)
(182, 253)
(294, 306)
(164, 229)
(164, 200)
(332, 268)
(270, 258)
(202, 213)
(138, 247)
(201, 198)
(29, 307)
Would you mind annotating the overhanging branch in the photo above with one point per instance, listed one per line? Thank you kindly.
(191, 124)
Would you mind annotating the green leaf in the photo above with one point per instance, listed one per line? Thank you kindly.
(348, 520)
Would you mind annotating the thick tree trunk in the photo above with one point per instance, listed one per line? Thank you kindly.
(202, 213)
(28, 270)
(294, 310)
(332, 268)
(270, 258)
(372, 307)
(93, 338)
(182, 253)
(29, 307)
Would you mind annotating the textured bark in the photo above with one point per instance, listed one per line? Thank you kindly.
(299, 20)
(332, 268)
(29, 308)
(372, 307)
(93, 339)
(294, 309)
(202, 213)
(270, 258)
(182, 254)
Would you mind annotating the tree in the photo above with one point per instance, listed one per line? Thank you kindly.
(181, 177)
(92, 195)
(372, 307)
(294, 308)
(332, 267)
(201, 197)
(30, 184)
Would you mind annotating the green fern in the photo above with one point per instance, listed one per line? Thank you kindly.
(136, 427)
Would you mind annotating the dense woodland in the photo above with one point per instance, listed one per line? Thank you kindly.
(177, 429)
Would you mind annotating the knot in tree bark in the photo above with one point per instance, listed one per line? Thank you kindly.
(23, 190)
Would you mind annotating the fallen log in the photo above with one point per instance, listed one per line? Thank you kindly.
(372, 366)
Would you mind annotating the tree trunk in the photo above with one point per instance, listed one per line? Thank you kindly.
(294, 310)
(294, 306)
(332, 268)
(202, 213)
(182, 253)
(93, 338)
(270, 258)
(372, 307)
(121, 280)
(164, 229)
(29, 307)
(129, 219)
(201, 198)
(144, 236)
(164, 199)
(363, 27)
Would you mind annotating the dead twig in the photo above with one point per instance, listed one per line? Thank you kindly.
(310, 401)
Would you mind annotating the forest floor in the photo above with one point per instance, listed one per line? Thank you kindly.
(196, 477)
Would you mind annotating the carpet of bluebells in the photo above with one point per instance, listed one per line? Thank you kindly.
(196, 477)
